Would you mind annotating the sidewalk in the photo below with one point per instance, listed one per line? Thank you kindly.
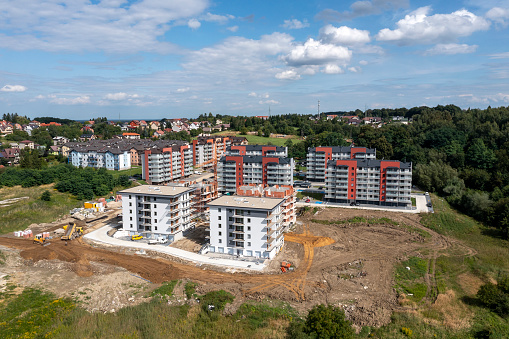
(420, 206)
(101, 235)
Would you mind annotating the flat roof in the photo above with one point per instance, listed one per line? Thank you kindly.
(157, 190)
(236, 201)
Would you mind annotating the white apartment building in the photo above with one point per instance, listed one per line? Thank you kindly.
(246, 226)
(376, 182)
(112, 159)
(155, 211)
(317, 157)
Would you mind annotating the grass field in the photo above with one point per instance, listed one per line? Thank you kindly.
(130, 172)
(19, 215)
(256, 140)
(35, 314)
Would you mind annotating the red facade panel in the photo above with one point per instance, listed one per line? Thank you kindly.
(383, 175)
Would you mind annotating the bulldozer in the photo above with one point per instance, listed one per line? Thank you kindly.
(41, 241)
(72, 231)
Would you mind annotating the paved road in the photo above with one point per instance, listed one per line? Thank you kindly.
(101, 235)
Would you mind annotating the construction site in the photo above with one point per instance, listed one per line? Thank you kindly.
(343, 257)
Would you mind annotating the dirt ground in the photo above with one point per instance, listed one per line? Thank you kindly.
(193, 241)
(348, 265)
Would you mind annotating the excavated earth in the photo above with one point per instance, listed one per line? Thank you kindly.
(345, 264)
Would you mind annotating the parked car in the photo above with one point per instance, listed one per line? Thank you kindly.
(136, 237)
(307, 200)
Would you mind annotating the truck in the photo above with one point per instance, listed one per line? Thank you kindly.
(159, 240)
(72, 231)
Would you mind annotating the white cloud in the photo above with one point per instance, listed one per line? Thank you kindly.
(252, 94)
(313, 52)
(332, 69)
(363, 62)
(84, 99)
(13, 88)
(295, 24)
(290, 74)
(419, 28)
(499, 15)
(104, 25)
(116, 96)
(273, 102)
(504, 55)
(233, 28)
(362, 8)
(183, 90)
(220, 19)
(354, 69)
(194, 24)
(343, 35)
(451, 49)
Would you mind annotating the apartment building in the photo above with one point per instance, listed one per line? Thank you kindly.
(317, 158)
(234, 171)
(207, 149)
(157, 211)
(246, 226)
(279, 192)
(369, 181)
(165, 164)
(261, 150)
(90, 156)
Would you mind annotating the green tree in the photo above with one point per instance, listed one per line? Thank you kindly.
(46, 196)
(327, 322)
(480, 156)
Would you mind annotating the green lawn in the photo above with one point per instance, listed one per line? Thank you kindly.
(256, 140)
(19, 215)
(130, 172)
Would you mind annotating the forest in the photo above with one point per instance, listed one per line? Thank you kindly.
(461, 154)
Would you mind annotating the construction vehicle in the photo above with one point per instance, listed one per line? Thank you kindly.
(72, 231)
(159, 240)
(286, 266)
(136, 237)
(38, 239)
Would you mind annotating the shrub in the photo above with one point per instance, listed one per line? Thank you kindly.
(327, 322)
(217, 299)
(46, 196)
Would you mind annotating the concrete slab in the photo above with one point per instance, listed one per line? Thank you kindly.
(100, 235)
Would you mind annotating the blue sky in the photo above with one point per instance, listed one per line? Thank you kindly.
(161, 58)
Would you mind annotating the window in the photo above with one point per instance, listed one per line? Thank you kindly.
(230, 218)
(351, 190)
(351, 196)
(352, 179)
(156, 228)
(230, 227)
(220, 233)
(131, 218)
(154, 205)
(248, 244)
(352, 185)
(219, 217)
(219, 226)
(130, 211)
(129, 196)
(155, 214)
(130, 204)
(219, 210)
(155, 199)
(248, 212)
(131, 225)
(230, 211)
(230, 234)
(249, 236)
(249, 228)
(220, 241)
(248, 219)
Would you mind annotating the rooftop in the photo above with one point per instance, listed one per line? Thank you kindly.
(158, 190)
(246, 202)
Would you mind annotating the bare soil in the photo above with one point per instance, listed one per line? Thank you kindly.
(348, 265)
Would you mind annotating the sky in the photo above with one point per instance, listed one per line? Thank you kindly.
(157, 59)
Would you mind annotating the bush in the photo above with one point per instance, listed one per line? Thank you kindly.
(46, 196)
(218, 299)
(324, 322)
(190, 289)
(496, 297)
